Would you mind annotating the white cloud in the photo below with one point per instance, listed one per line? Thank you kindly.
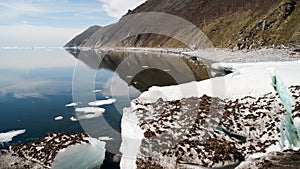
(117, 8)
(20, 6)
(88, 112)
(29, 35)
(37, 7)
(22, 87)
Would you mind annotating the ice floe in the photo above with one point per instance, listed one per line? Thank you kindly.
(102, 102)
(8, 136)
(73, 118)
(58, 118)
(71, 104)
(97, 91)
(106, 138)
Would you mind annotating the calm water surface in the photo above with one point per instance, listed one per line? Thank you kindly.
(36, 84)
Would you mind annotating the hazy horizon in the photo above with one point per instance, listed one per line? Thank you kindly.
(52, 23)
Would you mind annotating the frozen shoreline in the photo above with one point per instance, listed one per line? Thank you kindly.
(250, 77)
(266, 54)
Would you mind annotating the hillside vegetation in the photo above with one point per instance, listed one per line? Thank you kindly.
(230, 23)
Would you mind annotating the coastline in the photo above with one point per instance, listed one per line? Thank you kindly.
(223, 59)
(250, 78)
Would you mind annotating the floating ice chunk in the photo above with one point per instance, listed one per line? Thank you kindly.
(97, 91)
(89, 112)
(8, 136)
(71, 104)
(73, 118)
(58, 118)
(81, 156)
(90, 109)
(106, 138)
(102, 102)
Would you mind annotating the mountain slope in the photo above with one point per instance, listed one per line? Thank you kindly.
(230, 23)
(80, 39)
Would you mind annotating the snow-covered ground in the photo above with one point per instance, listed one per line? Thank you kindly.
(247, 79)
(62, 151)
(251, 77)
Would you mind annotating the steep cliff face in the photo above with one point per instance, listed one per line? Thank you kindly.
(230, 23)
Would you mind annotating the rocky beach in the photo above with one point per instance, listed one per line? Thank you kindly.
(173, 84)
(208, 131)
(46, 152)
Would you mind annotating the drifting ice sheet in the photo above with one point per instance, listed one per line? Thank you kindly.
(102, 102)
(71, 104)
(97, 91)
(8, 136)
(58, 118)
(73, 118)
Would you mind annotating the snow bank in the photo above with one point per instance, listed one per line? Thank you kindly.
(81, 156)
(8, 136)
(248, 79)
(102, 102)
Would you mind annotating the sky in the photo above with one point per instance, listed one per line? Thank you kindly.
(52, 23)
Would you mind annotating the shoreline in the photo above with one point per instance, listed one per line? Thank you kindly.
(250, 78)
(238, 66)
(216, 54)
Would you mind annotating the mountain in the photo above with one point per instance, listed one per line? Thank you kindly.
(230, 23)
(80, 39)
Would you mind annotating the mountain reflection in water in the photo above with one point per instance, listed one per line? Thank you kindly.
(145, 69)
